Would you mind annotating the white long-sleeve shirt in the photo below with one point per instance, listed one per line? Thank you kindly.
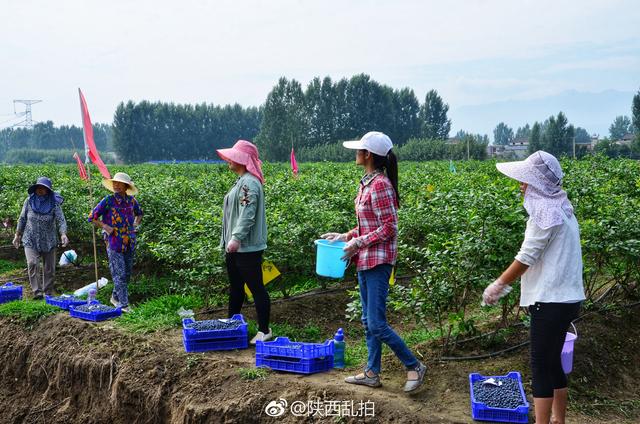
(554, 257)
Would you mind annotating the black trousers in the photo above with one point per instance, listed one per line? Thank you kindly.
(246, 268)
(549, 325)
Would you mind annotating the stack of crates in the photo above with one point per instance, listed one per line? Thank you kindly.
(301, 358)
(206, 340)
(9, 292)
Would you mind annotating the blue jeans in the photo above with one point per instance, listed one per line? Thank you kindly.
(120, 264)
(374, 288)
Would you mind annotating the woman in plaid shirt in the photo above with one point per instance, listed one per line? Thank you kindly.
(373, 247)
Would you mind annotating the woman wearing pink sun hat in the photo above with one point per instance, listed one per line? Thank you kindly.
(244, 233)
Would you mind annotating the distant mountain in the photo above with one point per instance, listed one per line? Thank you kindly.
(592, 111)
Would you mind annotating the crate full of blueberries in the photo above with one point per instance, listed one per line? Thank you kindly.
(64, 301)
(94, 311)
(10, 292)
(298, 357)
(215, 334)
(499, 398)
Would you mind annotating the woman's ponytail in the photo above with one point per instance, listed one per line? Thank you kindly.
(390, 164)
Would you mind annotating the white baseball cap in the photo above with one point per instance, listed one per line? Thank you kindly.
(374, 141)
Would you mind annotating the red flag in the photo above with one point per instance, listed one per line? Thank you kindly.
(81, 169)
(294, 164)
(90, 149)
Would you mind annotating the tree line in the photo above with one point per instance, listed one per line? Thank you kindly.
(36, 145)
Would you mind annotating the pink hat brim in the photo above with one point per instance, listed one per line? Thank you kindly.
(233, 155)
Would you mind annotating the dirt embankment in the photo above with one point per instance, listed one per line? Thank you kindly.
(63, 370)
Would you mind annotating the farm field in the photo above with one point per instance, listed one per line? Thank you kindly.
(457, 231)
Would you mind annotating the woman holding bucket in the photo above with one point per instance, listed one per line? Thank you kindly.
(375, 243)
(244, 233)
(550, 264)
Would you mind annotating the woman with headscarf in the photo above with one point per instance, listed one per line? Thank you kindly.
(244, 233)
(37, 230)
(119, 214)
(550, 264)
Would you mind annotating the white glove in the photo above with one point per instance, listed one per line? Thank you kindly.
(350, 249)
(64, 240)
(494, 292)
(16, 241)
(335, 236)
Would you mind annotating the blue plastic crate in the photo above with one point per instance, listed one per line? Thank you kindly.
(64, 302)
(94, 316)
(206, 345)
(482, 412)
(190, 334)
(283, 347)
(296, 365)
(10, 292)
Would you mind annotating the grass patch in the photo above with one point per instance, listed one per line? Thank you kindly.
(9, 267)
(27, 311)
(159, 313)
(253, 373)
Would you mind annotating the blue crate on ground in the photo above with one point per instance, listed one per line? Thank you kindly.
(296, 365)
(221, 343)
(283, 347)
(94, 315)
(10, 292)
(482, 412)
(64, 301)
(190, 334)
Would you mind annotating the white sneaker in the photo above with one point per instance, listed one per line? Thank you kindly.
(126, 309)
(114, 302)
(262, 337)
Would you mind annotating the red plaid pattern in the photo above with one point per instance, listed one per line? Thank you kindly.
(377, 230)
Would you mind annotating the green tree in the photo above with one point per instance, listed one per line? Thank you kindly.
(557, 138)
(284, 122)
(635, 112)
(621, 126)
(535, 140)
(502, 134)
(523, 132)
(406, 116)
(433, 113)
(582, 136)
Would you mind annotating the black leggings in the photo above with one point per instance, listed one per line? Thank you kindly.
(247, 268)
(549, 325)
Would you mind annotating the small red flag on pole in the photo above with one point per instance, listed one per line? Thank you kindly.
(90, 149)
(81, 169)
(294, 164)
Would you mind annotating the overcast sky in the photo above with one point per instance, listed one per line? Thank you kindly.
(472, 52)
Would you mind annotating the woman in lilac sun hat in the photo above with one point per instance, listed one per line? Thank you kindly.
(550, 266)
(244, 233)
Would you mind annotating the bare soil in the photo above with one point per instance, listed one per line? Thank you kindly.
(64, 370)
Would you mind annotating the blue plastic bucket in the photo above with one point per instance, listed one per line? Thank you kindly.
(328, 262)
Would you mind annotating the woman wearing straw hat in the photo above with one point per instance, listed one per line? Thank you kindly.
(121, 214)
(37, 230)
(244, 233)
(550, 264)
(375, 241)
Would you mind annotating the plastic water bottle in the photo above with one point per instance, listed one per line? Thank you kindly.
(91, 296)
(338, 349)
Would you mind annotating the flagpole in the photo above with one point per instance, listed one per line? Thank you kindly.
(93, 231)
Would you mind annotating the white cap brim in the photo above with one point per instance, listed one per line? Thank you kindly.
(354, 144)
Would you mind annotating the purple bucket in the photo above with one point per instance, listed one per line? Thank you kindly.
(567, 350)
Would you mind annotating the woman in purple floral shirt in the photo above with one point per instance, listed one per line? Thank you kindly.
(121, 214)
